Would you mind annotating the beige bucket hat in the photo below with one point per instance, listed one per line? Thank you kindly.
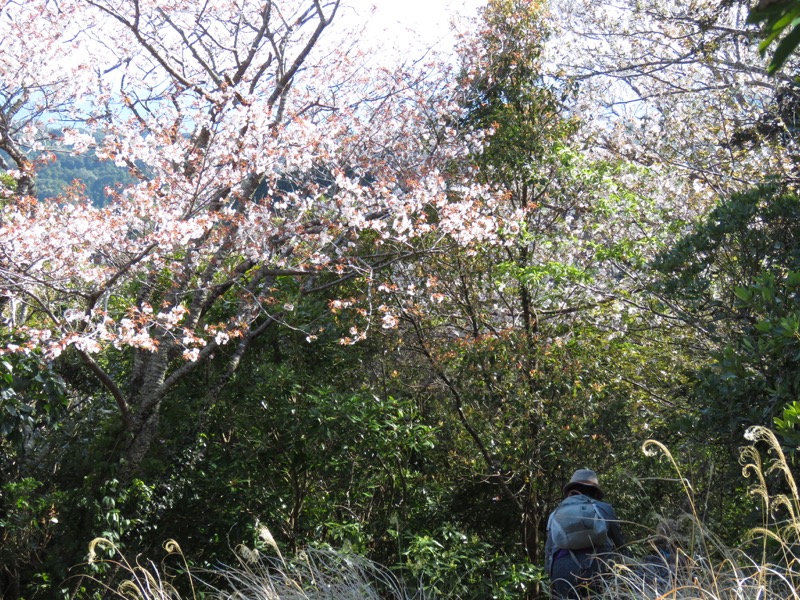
(584, 478)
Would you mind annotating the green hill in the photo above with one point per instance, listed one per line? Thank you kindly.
(54, 178)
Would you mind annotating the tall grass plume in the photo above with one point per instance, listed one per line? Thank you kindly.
(689, 562)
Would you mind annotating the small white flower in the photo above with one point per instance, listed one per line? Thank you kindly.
(390, 321)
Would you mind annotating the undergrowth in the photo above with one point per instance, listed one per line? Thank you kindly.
(686, 561)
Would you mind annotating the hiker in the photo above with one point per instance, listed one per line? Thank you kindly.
(660, 567)
(580, 531)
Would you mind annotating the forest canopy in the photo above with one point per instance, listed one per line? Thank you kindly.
(263, 287)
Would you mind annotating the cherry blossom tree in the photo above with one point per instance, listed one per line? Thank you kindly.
(35, 81)
(678, 93)
(262, 155)
(680, 90)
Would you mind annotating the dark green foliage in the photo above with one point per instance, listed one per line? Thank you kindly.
(737, 278)
(28, 521)
(32, 398)
(33, 405)
(449, 563)
(745, 237)
(736, 281)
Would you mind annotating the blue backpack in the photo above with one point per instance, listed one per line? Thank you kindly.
(576, 524)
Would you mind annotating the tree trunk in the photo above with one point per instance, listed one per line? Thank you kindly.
(145, 402)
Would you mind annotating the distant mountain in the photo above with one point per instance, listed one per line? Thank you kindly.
(53, 178)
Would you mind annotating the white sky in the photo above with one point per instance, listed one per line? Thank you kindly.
(411, 24)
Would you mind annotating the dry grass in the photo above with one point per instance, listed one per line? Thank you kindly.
(688, 562)
(314, 574)
(142, 581)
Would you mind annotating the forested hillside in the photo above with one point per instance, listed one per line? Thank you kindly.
(268, 293)
(53, 179)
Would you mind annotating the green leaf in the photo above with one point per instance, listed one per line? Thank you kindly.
(770, 11)
(793, 279)
(786, 46)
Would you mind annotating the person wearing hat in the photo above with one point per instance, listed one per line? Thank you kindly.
(574, 569)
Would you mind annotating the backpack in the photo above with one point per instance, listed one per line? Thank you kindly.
(576, 524)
